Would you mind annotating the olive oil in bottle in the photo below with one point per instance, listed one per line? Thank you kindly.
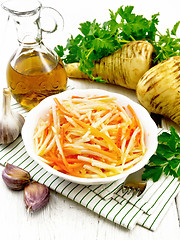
(34, 72)
(34, 77)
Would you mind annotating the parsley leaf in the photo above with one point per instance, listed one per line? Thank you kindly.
(167, 157)
(153, 172)
(168, 45)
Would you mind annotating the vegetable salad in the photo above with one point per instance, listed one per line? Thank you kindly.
(90, 137)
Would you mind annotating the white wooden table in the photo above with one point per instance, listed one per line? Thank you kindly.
(63, 218)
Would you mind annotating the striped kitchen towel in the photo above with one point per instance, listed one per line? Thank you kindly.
(106, 200)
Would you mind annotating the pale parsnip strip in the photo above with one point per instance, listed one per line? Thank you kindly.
(123, 146)
(88, 175)
(71, 108)
(56, 130)
(55, 118)
(132, 157)
(125, 117)
(114, 117)
(89, 116)
(35, 143)
(40, 141)
(109, 127)
(132, 163)
(86, 115)
(125, 114)
(68, 150)
(118, 169)
(99, 114)
(105, 132)
(93, 106)
(59, 145)
(94, 170)
(100, 164)
(99, 142)
(86, 135)
(43, 126)
(130, 144)
(90, 152)
(142, 139)
(42, 149)
(70, 120)
(50, 146)
(102, 120)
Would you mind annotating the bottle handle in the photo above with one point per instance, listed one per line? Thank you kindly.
(50, 16)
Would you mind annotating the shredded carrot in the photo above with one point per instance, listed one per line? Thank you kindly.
(90, 137)
(134, 115)
(50, 119)
(119, 137)
(62, 109)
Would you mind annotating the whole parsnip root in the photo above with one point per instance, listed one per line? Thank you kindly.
(124, 67)
(159, 89)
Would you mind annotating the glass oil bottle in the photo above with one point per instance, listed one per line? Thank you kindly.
(34, 72)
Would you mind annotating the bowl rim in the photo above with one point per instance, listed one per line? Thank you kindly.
(41, 109)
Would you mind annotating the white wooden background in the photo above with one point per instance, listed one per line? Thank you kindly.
(62, 218)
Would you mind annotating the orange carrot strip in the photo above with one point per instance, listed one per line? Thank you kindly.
(50, 118)
(98, 97)
(62, 108)
(134, 115)
(63, 157)
(78, 97)
(75, 160)
(139, 135)
(76, 165)
(60, 168)
(118, 138)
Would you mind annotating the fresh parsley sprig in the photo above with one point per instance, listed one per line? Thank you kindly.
(167, 157)
(167, 45)
(98, 40)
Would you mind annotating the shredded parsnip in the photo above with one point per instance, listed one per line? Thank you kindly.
(90, 137)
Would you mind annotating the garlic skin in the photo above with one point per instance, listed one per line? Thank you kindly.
(36, 196)
(10, 122)
(15, 177)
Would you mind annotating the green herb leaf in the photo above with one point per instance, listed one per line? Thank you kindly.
(153, 172)
(164, 137)
(164, 150)
(59, 50)
(167, 45)
(174, 163)
(174, 30)
(178, 171)
(166, 158)
(158, 159)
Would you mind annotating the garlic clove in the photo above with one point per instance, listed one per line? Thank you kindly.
(10, 122)
(36, 196)
(15, 177)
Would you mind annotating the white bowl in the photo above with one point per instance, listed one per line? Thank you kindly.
(41, 109)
